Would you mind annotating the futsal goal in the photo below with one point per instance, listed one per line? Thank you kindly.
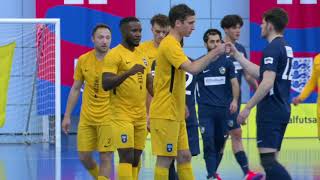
(30, 81)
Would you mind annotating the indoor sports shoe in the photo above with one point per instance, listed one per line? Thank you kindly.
(217, 176)
(251, 175)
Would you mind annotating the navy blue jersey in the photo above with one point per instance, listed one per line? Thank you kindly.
(190, 99)
(190, 89)
(275, 106)
(236, 64)
(214, 83)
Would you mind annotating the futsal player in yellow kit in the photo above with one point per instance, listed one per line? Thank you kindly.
(167, 113)
(95, 128)
(309, 87)
(127, 75)
(160, 28)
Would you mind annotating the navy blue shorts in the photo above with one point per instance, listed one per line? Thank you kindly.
(213, 126)
(193, 138)
(270, 134)
(232, 121)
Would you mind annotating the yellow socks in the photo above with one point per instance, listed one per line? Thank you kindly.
(161, 173)
(125, 171)
(135, 173)
(103, 178)
(94, 172)
(139, 167)
(185, 171)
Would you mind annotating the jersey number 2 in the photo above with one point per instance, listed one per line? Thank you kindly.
(189, 78)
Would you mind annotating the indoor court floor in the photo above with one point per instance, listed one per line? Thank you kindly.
(39, 161)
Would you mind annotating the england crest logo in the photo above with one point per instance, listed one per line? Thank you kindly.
(301, 72)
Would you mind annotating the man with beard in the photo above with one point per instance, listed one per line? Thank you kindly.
(94, 129)
(127, 74)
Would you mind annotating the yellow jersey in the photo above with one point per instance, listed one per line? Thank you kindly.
(151, 51)
(169, 82)
(95, 101)
(128, 100)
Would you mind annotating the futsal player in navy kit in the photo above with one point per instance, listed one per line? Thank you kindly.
(273, 93)
(217, 98)
(192, 120)
(232, 24)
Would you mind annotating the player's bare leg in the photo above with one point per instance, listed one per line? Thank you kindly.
(89, 163)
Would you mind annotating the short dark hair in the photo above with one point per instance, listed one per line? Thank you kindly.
(180, 12)
(127, 20)
(277, 17)
(211, 32)
(98, 26)
(231, 20)
(160, 19)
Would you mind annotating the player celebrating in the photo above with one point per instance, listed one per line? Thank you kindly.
(273, 93)
(94, 129)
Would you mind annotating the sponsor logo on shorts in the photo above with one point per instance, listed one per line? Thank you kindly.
(230, 123)
(202, 129)
(169, 147)
(124, 138)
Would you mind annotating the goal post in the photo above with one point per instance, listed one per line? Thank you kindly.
(33, 104)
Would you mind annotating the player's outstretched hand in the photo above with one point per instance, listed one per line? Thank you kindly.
(233, 107)
(136, 68)
(296, 101)
(66, 123)
(233, 51)
(217, 51)
(243, 116)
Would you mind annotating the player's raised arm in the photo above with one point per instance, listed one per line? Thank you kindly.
(249, 67)
(111, 80)
(197, 66)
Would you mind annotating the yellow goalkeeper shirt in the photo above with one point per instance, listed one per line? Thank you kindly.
(128, 100)
(95, 101)
(169, 82)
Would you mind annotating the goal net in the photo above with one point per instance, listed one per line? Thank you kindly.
(30, 105)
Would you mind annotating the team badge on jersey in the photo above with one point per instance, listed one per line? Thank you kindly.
(145, 62)
(124, 138)
(301, 72)
(169, 147)
(222, 70)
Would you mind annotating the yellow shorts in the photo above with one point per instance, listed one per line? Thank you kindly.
(168, 137)
(95, 137)
(130, 134)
